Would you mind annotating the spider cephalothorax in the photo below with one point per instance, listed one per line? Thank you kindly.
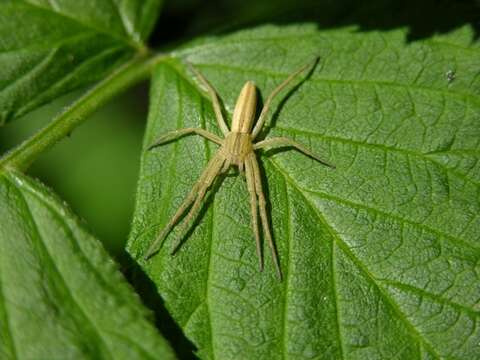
(237, 149)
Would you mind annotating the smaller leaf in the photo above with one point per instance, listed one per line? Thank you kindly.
(61, 296)
(50, 48)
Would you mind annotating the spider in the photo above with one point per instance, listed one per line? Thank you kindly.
(237, 148)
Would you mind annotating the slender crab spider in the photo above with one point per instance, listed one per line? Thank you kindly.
(236, 149)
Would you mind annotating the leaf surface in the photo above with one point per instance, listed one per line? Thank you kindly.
(61, 296)
(380, 256)
(48, 48)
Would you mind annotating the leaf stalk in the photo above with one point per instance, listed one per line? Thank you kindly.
(132, 72)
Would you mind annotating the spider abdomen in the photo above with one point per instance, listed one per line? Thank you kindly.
(244, 113)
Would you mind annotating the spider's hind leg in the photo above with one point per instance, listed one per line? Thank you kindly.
(195, 196)
(208, 177)
(250, 177)
(262, 205)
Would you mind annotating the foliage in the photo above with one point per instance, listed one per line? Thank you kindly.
(380, 256)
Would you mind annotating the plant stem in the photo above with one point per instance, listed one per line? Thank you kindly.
(130, 73)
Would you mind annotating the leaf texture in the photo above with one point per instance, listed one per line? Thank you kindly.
(50, 47)
(61, 296)
(380, 256)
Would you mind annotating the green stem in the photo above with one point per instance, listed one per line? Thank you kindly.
(130, 73)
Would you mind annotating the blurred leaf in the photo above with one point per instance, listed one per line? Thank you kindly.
(381, 255)
(48, 48)
(61, 295)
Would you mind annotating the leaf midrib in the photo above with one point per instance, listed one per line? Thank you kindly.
(359, 264)
(436, 297)
(99, 276)
(3, 304)
(395, 217)
(60, 276)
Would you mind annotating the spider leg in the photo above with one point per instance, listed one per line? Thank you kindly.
(214, 97)
(192, 196)
(250, 176)
(211, 173)
(241, 167)
(266, 107)
(263, 214)
(226, 165)
(175, 134)
(282, 142)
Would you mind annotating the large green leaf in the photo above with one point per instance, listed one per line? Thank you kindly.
(48, 48)
(61, 296)
(380, 256)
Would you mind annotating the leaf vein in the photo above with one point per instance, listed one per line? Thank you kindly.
(430, 295)
(336, 302)
(128, 27)
(62, 279)
(386, 214)
(69, 76)
(475, 98)
(289, 237)
(98, 275)
(35, 47)
(383, 147)
(361, 266)
(113, 35)
(44, 62)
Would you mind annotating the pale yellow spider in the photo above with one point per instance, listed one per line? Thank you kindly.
(237, 148)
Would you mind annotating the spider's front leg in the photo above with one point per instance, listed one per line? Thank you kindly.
(214, 98)
(175, 134)
(209, 175)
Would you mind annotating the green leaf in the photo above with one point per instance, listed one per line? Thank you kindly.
(48, 48)
(61, 296)
(380, 256)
